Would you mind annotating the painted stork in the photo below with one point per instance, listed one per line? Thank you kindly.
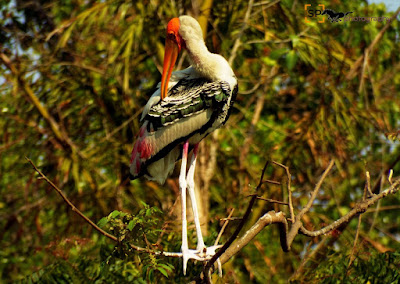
(187, 106)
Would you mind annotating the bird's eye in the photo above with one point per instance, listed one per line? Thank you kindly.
(171, 36)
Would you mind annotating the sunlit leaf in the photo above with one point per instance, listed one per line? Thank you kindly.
(291, 59)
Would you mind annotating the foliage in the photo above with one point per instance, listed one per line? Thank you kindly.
(366, 268)
(74, 78)
(117, 263)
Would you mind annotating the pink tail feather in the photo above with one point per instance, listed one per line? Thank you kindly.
(142, 150)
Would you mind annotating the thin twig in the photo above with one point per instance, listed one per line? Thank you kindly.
(289, 179)
(97, 228)
(165, 225)
(210, 263)
(294, 230)
(302, 33)
(384, 208)
(360, 207)
(390, 175)
(231, 219)
(252, 90)
(381, 183)
(351, 258)
(272, 200)
(271, 182)
(368, 185)
(71, 204)
(237, 43)
(224, 226)
(316, 190)
(219, 264)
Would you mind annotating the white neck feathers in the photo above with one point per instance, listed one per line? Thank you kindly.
(209, 65)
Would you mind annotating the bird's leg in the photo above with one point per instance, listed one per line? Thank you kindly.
(187, 181)
(203, 252)
(190, 185)
(186, 253)
(182, 186)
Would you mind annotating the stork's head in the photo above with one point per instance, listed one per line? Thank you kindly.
(179, 31)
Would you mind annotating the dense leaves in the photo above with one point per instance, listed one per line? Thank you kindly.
(74, 78)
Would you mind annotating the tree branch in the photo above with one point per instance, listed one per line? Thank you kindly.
(237, 43)
(76, 210)
(360, 207)
(210, 263)
(286, 237)
(97, 228)
(267, 219)
(289, 179)
(294, 230)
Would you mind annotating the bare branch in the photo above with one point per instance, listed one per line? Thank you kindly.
(269, 218)
(224, 226)
(360, 207)
(294, 230)
(316, 190)
(366, 188)
(237, 43)
(390, 175)
(272, 182)
(97, 228)
(272, 200)
(210, 263)
(289, 179)
(368, 185)
(286, 237)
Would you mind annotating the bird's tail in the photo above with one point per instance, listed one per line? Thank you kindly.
(140, 153)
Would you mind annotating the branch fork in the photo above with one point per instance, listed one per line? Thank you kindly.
(287, 233)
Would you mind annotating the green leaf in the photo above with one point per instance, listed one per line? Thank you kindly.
(295, 40)
(167, 266)
(291, 59)
(115, 214)
(102, 222)
(148, 212)
(268, 61)
(163, 272)
(278, 53)
(131, 225)
(151, 275)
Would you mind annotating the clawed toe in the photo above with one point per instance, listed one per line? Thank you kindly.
(200, 254)
(207, 252)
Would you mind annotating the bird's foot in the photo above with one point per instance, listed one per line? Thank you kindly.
(189, 254)
(200, 254)
(207, 252)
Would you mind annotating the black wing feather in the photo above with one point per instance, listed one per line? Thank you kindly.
(187, 98)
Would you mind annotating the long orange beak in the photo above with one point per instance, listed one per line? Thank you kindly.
(170, 56)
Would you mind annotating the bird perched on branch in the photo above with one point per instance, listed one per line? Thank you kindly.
(187, 106)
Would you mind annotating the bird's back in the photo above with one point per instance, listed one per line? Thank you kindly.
(193, 109)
